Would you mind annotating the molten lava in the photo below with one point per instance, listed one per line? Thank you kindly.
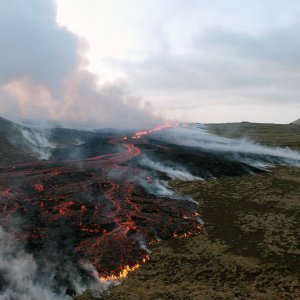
(39, 187)
(141, 133)
(93, 209)
(124, 271)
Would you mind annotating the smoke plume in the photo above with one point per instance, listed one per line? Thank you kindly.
(43, 75)
(241, 150)
(174, 172)
(24, 277)
(38, 143)
(19, 274)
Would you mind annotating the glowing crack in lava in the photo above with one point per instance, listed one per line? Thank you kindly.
(94, 209)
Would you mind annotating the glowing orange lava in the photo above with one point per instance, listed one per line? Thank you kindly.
(141, 133)
(5, 192)
(124, 272)
(93, 207)
(39, 187)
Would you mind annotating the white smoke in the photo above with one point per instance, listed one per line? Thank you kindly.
(241, 150)
(38, 142)
(79, 142)
(18, 270)
(173, 172)
(157, 187)
(21, 277)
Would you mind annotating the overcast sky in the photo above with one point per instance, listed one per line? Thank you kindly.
(113, 62)
(201, 60)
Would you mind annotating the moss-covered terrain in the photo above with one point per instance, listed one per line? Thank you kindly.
(283, 135)
(249, 248)
(250, 244)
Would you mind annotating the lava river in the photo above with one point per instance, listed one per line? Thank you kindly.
(95, 209)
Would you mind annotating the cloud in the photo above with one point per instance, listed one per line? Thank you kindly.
(42, 75)
(226, 59)
(223, 66)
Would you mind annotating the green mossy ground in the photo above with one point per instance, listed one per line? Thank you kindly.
(249, 248)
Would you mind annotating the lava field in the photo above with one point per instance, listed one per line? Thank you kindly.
(95, 210)
(102, 207)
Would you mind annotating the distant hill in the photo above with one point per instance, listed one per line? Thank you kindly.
(283, 135)
(10, 133)
(296, 122)
(20, 143)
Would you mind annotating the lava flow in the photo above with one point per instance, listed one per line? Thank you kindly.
(146, 132)
(93, 209)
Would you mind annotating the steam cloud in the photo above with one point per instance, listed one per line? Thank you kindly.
(43, 78)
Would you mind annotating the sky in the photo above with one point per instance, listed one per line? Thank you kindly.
(127, 63)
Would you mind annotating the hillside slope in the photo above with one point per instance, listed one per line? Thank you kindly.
(20, 143)
(10, 133)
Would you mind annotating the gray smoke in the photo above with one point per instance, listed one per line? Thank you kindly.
(43, 75)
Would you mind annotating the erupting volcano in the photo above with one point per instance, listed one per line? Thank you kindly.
(96, 210)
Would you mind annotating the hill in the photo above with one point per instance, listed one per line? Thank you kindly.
(20, 143)
(297, 122)
(282, 135)
(10, 132)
